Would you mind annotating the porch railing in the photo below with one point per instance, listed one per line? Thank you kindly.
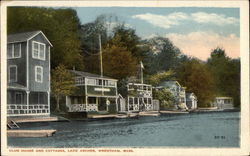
(83, 108)
(22, 109)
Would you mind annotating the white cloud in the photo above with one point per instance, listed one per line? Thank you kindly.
(162, 21)
(217, 19)
(200, 44)
(167, 21)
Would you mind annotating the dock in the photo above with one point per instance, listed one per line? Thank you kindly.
(102, 116)
(30, 133)
(36, 119)
(150, 113)
(173, 112)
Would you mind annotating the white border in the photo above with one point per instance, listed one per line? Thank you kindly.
(244, 49)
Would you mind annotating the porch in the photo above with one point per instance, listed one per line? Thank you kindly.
(90, 104)
(21, 103)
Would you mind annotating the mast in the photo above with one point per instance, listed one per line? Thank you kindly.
(100, 46)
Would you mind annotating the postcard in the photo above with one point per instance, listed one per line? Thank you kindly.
(125, 77)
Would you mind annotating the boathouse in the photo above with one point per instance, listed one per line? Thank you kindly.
(191, 101)
(28, 74)
(223, 103)
(94, 93)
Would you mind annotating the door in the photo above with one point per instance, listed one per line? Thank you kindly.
(102, 106)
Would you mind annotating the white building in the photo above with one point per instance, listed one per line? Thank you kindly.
(191, 101)
(223, 103)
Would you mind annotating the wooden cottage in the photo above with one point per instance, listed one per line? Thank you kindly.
(28, 72)
(94, 93)
(178, 92)
(139, 97)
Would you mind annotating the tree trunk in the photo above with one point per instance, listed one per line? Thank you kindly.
(58, 104)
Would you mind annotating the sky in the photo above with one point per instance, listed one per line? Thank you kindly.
(195, 30)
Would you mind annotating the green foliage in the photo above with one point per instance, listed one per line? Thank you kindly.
(60, 26)
(226, 72)
(126, 37)
(118, 62)
(159, 77)
(62, 83)
(165, 97)
(198, 79)
(163, 55)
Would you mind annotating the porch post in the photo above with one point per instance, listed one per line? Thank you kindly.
(86, 101)
(28, 101)
(116, 103)
(48, 101)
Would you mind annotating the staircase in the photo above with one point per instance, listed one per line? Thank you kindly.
(12, 125)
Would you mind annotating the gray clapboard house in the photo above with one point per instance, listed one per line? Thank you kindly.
(94, 93)
(28, 72)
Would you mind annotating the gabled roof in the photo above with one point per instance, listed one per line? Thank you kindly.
(167, 83)
(86, 74)
(25, 36)
(190, 94)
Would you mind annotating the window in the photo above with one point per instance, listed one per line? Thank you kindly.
(91, 81)
(38, 51)
(14, 51)
(99, 82)
(39, 74)
(130, 100)
(19, 98)
(13, 73)
(111, 83)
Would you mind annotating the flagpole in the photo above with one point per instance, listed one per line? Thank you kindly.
(141, 72)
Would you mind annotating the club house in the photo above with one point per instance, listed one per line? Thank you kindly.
(94, 93)
(28, 71)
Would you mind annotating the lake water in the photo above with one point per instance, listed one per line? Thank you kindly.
(195, 129)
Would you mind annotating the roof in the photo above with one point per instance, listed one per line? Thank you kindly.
(222, 98)
(189, 94)
(16, 86)
(22, 37)
(86, 74)
(167, 83)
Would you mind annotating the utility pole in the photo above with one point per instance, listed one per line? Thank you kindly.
(100, 46)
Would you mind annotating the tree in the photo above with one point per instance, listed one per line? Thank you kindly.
(127, 38)
(118, 62)
(61, 27)
(90, 32)
(62, 84)
(163, 55)
(165, 97)
(195, 75)
(226, 72)
(159, 77)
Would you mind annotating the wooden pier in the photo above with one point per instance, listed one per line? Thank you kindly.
(102, 116)
(30, 133)
(35, 119)
(149, 113)
(173, 112)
